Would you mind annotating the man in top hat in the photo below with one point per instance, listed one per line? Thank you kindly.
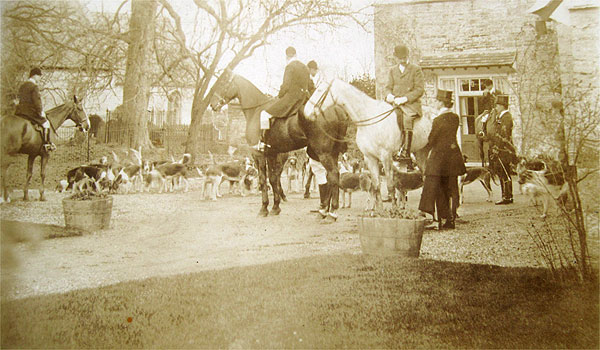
(502, 150)
(404, 89)
(293, 93)
(30, 106)
(444, 164)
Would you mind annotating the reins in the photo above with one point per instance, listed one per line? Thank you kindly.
(363, 122)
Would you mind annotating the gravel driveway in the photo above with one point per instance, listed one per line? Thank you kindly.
(165, 234)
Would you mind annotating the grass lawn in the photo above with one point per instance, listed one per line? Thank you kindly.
(337, 301)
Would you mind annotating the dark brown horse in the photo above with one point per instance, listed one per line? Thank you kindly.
(323, 139)
(19, 136)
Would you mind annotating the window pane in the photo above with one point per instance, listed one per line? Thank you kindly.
(464, 85)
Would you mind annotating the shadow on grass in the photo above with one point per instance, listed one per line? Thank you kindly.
(337, 301)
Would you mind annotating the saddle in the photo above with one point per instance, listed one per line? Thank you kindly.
(37, 127)
(403, 110)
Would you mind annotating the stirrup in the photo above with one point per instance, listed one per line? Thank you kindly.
(401, 156)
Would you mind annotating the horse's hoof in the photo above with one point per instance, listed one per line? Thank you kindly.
(263, 212)
(275, 211)
(283, 198)
(42, 199)
(328, 220)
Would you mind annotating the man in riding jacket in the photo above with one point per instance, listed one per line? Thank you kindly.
(293, 93)
(30, 106)
(404, 89)
(502, 151)
(294, 89)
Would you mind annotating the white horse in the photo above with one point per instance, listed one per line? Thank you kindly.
(378, 136)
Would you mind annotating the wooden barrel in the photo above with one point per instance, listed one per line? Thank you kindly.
(89, 214)
(385, 236)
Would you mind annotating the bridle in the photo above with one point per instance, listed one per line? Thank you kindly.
(79, 123)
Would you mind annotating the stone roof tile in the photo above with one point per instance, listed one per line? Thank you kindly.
(468, 60)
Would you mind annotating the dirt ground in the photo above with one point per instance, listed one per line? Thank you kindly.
(165, 234)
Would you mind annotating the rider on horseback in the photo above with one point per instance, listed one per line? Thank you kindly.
(404, 89)
(30, 106)
(293, 93)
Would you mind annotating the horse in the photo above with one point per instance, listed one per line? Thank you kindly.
(323, 139)
(378, 135)
(19, 136)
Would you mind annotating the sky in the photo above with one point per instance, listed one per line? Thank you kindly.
(343, 52)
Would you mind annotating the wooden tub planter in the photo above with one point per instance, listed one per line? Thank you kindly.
(88, 215)
(391, 236)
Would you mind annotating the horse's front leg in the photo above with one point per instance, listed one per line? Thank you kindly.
(373, 166)
(275, 165)
(30, 161)
(333, 182)
(43, 163)
(261, 163)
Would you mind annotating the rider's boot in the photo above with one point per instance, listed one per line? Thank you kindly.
(398, 155)
(405, 152)
(48, 145)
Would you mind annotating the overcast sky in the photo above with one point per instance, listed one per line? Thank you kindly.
(343, 52)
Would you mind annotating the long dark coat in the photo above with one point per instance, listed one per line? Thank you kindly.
(30, 103)
(411, 84)
(445, 158)
(293, 92)
(444, 164)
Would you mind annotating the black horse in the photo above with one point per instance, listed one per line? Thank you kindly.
(323, 139)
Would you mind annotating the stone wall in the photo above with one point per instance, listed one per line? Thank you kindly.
(440, 27)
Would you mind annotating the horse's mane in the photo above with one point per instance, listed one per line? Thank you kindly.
(58, 108)
(251, 87)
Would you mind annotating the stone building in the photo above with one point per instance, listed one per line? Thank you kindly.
(459, 43)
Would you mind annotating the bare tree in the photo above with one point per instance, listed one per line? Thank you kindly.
(83, 54)
(230, 32)
(137, 80)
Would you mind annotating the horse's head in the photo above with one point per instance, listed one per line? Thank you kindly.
(225, 92)
(321, 98)
(77, 114)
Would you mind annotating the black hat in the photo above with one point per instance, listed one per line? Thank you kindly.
(290, 51)
(487, 82)
(401, 51)
(312, 64)
(502, 100)
(444, 95)
(35, 71)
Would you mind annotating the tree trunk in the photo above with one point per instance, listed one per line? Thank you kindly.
(194, 141)
(137, 83)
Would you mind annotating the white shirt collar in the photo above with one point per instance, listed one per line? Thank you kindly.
(445, 110)
(292, 60)
(32, 80)
(401, 67)
(503, 113)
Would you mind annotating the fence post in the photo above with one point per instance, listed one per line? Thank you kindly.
(88, 147)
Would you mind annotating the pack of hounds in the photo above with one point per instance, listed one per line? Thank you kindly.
(132, 173)
(540, 179)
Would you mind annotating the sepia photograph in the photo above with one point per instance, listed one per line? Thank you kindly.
(300, 174)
